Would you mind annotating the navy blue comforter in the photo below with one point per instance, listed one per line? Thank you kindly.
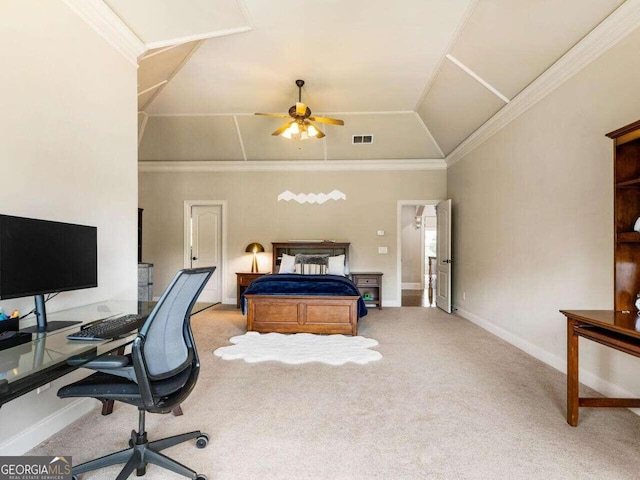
(296, 284)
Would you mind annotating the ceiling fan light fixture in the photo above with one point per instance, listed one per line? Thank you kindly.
(312, 131)
(299, 128)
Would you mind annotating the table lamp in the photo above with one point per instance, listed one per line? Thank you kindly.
(254, 248)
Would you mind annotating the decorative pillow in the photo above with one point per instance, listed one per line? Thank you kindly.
(315, 259)
(310, 264)
(287, 264)
(311, 269)
(336, 266)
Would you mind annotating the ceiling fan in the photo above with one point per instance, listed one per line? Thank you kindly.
(301, 127)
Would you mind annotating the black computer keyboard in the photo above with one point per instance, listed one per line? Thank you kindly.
(110, 328)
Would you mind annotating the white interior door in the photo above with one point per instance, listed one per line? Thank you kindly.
(443, 255)
(206, 246)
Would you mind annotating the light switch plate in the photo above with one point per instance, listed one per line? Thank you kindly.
(383, 250)
(381, 233)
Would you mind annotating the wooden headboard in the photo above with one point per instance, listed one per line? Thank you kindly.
(293, 248)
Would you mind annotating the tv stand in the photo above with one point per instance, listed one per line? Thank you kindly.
(41, 317)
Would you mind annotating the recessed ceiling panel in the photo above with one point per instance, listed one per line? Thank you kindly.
(167, 21)
(259, 144)
(356, 56)
(456, 106)
(395, 136)
(190, 138)
(146, 97)
(155, 68)
(510, 43)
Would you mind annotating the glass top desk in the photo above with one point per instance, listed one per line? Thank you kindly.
(26, 367)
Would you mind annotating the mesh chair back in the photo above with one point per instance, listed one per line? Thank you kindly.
(168, 342)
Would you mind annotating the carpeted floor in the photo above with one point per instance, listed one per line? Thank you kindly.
(447, 401)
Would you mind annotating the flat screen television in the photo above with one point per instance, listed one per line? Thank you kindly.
(39, 257)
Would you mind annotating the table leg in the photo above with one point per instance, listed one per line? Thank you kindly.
(573, 382)
(430, 287)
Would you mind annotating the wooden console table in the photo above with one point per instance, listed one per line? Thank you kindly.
(617, 330)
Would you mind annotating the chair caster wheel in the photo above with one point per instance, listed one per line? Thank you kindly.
(74, 477)
(201, 477)
(131, 443)
(202, 442)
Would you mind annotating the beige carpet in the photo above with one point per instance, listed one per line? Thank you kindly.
(447, 401)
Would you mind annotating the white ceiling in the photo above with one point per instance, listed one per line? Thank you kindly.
(420, 75)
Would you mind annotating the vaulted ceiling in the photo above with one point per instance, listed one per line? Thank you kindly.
(418, 75)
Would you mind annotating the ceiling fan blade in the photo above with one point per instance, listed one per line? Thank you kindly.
(282, 129)
(333, 121)
(301, 109)
(279, 115)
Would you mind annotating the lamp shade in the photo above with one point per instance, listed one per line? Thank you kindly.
(254, 247)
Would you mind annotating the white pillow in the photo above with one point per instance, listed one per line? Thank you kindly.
(287, 264)
(336, 266)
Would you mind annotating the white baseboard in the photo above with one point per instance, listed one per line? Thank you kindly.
(586, 377)
(40, 431)
(411, 286)
(230, 301)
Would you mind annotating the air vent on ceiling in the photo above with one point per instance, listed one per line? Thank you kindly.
(362, 139)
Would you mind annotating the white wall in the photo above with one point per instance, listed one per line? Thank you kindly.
(68, 152)
(533, 218)
(255, 215)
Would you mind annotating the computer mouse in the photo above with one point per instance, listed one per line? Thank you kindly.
(7, 335)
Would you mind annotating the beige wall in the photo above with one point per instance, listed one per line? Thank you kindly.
(254, 214)
(533, 217)
(69, 148)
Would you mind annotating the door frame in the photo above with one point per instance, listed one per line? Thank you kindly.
(402, 203)
(186, 261)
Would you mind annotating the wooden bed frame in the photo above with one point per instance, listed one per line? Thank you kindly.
(303, 314)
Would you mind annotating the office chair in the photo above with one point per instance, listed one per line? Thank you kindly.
(159, 374)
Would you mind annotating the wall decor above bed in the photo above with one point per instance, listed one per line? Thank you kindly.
(318, 198)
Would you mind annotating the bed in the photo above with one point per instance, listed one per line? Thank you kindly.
(313, 300)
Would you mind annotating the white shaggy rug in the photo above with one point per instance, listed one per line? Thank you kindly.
(299, 348)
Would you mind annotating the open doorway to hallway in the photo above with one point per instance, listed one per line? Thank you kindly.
(418, 255)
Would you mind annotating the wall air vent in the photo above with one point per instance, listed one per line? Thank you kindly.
(362, 139)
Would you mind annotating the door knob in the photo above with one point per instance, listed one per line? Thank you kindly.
(194, 258)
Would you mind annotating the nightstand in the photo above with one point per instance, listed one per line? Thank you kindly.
(370, 286)
(244, 279)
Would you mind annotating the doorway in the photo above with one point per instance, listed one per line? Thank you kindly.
(418, 235)
(204, 243)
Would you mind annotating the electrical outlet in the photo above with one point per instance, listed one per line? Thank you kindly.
(383, 250)
(381, 233)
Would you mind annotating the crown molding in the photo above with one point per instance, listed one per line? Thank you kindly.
(624, 20)
(109, 26)
(200, 36)
(296, 165)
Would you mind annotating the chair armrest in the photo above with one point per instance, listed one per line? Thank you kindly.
(105, 362)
